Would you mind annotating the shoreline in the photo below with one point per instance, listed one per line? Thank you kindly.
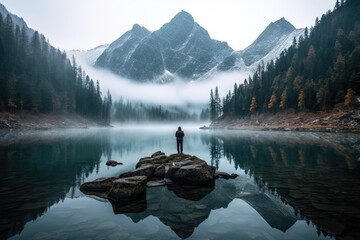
(331, 122)
(39, 121)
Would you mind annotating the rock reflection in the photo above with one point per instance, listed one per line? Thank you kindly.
(183, 210)
(193, 193)
(136, 206)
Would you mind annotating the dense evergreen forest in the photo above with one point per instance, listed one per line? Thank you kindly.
(37, 77)
(319, 72)
(126, 111)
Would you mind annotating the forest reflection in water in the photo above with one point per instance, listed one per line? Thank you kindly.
(316, 173)
(289, 177)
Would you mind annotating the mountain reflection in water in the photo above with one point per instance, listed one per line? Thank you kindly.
(289, 177)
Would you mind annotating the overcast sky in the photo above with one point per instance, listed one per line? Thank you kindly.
(85, 24)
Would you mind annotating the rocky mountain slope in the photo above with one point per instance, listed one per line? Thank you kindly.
(16, 20)
(276, 37)
(181, 47)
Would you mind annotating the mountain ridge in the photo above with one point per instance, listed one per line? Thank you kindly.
(180, 47)
(275, 38)
(16, 20)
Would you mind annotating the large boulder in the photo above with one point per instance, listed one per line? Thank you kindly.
(145, 170)
(127, 188)
(196, 175)
(154, 159)
(98, 185)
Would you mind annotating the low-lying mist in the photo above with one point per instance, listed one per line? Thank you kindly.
(180, 92)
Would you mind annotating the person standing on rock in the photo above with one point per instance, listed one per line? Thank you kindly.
(179, 140)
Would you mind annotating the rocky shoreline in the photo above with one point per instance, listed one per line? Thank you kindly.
(32, 121)
(337, 121)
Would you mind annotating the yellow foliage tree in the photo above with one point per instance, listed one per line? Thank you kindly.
(283, 99)
(301, 100)
(297, 83)
(272, 101)
(320, 96)
(253, 104)
(349, 97)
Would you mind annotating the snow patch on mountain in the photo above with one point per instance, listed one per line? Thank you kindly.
(87, 57)
(284, 43)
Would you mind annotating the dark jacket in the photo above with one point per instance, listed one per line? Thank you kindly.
(179, 135)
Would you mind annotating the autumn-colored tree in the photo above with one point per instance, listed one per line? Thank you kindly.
(320, 96)
(301, 100)
(253, 104)
(272, 153)
(297, 83)
(283, 99)
(349, 98)
(272, 101)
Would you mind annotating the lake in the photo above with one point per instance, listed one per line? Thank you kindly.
(291, 185)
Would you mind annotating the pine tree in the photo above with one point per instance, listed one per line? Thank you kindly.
(217, 103)
(320, 97)
(213, 114)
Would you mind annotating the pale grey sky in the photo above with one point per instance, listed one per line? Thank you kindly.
(85, 24)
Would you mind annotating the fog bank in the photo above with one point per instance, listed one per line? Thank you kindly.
(180, 92)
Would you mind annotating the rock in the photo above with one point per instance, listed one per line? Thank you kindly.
(158, 153)
(159, 171)
(113, 163)
(127, 188)
(98, 185)
(233, 175)
(219, 174)
(196, 175)
(188, 176)
(157, 159)
(145, 170)
(156, 183)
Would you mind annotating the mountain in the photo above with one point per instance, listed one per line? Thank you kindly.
(16, 20)
(276, 37)
(181, 47)
(118, 56)
(87, 56)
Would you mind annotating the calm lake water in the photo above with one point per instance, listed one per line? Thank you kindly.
(290, 185)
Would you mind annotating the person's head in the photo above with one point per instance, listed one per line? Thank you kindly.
(179, 128)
